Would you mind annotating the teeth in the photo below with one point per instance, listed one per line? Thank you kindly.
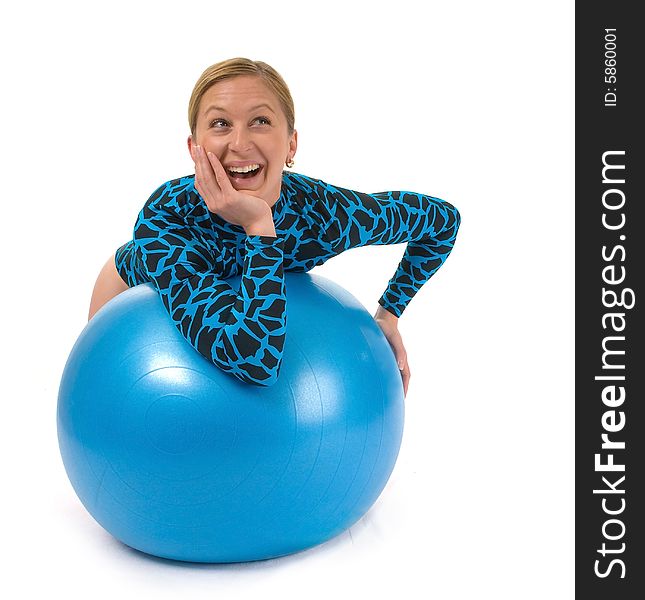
(246, 169)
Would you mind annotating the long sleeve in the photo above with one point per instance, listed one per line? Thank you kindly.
(430, 239)
(241, 331)
(429, 226)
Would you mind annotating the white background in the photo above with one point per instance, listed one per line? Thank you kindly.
(468, 101)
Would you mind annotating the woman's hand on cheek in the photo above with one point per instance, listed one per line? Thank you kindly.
(217, 191)
(389, 325)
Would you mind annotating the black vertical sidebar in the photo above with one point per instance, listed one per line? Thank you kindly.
(610, 302)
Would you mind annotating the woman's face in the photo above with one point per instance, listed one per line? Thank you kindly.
(240, 120)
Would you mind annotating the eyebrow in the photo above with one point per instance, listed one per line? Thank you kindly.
(221, 109)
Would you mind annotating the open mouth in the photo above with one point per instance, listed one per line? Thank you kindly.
(245, 173)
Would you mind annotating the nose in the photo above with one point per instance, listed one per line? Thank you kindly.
(240, 140)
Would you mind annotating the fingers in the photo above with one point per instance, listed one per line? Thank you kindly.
(404, 367)
(399, 350)
(389, 326)
(220, 173)
(202, 175)
(206, 180)
(401, 356)
(405, 376)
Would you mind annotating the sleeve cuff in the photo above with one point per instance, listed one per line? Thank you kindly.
(264, 241)
(390, 308)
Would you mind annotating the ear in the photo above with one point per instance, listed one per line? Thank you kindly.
(190, 146)
(293, 144)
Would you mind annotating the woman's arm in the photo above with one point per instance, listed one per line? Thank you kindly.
(241, 331)
(429, 226)
(350, 219)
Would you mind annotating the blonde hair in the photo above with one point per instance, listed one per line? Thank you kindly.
(234, 67)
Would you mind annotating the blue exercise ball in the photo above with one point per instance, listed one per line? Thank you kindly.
(178, 459)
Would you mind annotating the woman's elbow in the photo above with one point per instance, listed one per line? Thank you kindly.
(453, 221)
(252, 360)
(454, 215)
(260, 376)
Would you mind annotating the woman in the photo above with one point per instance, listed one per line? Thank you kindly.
(242, 214)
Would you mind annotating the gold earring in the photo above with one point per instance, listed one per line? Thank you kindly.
(290, 163)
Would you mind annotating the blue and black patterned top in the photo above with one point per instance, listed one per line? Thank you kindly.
(189, 252)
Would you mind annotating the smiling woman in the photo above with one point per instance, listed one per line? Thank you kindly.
(241, 121)
(242, 214)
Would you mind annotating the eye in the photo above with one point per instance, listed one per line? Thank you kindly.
(218, 123)
(263, 120)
